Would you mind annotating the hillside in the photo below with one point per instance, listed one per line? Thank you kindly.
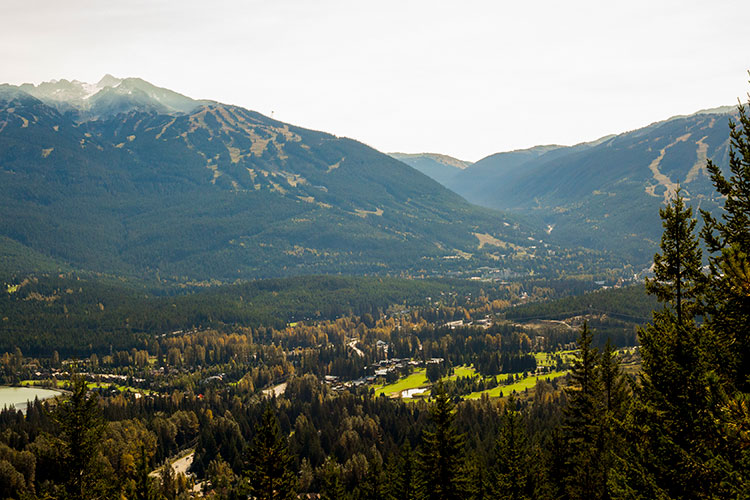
(442, 168)
(221, 192)
(605, 194)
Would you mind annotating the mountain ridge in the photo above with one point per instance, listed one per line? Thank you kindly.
(109, 96)
(606, 193)
(227, 193)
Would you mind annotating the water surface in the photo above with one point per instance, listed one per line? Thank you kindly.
(18, 397)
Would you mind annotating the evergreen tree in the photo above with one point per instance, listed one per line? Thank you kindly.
(677, 446)
(373, 485)
(441, 454)
(614, 385)
(671, 410)
(728, 313)
(142, 483)
(678, 277)
(168, 484)
(82, 427)
(405, 476)
(614, 398)
(269, 464)
(555, 467)
(585, 474)
(332, 488)
(479, 485)
(512, 455)
(728, 242)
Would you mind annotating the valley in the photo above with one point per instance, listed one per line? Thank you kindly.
(217, 301)
(603, 194)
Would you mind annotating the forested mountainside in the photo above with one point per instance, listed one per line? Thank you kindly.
(225, 193)
(347, 388)
(445, 396)
(442, 168)
(605, 194)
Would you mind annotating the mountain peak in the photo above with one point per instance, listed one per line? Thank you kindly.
(108, 81)
(108, 97)
(230, 194)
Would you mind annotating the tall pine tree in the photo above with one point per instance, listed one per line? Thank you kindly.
(332, 487)
(269, 464)
(583, 422)
(404, 477)
(678, 276)
(512, 470)
(674, 430)
(441, 454)
(727, 239)
(82, 427)
(727, 314)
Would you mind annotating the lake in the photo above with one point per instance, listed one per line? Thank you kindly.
(19, 396)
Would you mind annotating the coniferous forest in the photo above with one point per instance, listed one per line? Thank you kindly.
(556, 386)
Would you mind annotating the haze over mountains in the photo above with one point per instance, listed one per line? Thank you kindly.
(603, 194)
(126, 177)
(442, 168)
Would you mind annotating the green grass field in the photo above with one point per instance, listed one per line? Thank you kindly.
(413, 381)
(462, 371)
(62, 384)
(548, 358)
(521, 385)
(419, 379)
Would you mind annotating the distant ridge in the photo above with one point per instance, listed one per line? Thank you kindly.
(606, 193)
(109, 96)
(440, 158)
(126, 177)
(440, 167)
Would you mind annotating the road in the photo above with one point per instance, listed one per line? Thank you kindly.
(353, 345)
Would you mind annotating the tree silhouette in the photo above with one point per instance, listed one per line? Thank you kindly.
(269, 464)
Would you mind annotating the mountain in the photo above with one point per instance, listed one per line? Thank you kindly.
(221, 192)
(505, 167)
(442, 168)
(605, 194)
(109, 97)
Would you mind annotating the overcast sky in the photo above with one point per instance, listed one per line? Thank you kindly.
(464, 78)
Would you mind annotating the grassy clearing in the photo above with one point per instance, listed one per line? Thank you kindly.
(462, 371)
(419, 379)
(63, 384)
(521, 385)
(548, 358)
(413, 381)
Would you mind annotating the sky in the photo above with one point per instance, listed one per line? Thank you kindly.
(466, 79)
